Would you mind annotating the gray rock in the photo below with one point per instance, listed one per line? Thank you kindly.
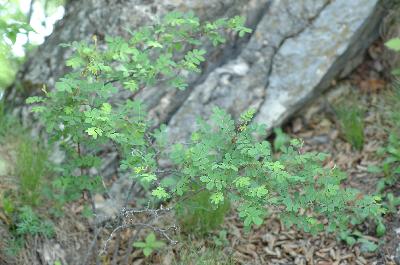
(296, 50)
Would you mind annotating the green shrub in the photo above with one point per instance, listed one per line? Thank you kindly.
(81, 100)
(223, 158)
(351, 120)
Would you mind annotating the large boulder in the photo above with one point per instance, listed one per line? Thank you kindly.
(297, 49)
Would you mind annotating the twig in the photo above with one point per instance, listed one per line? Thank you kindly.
(126, 217)
(30, 12)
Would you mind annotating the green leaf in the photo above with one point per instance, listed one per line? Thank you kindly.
(38, 109)
(131, 85)
(380, 229)
(217, 197)
(374, 169)
(94, 132)
(75, 62)
(350, 240)
(106, 108)
(393, 44)
(242, 182)
(281, 139)
(261, 191)
(154, 44)
(160, 193)
(148, 177)
(367, 246)
(63, 86)
(150, 238)
(147, 251)
(248, 115)
(32, 100)
(139, 244)
(257, 220)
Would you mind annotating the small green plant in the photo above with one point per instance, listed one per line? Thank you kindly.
(221, 240)
(281, 139)
(351, 120)
(390, 152)
(354, 237)
(7, 204)
(29, 223)
(14, 246)
(391, 202)
(390, 167)
(150, 244)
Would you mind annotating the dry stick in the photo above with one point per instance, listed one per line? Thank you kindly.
(161, 231)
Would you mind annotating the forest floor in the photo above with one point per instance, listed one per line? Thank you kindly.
(270, 243)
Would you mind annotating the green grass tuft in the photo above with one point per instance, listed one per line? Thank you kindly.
(193, 256)
(31, 160)
(351, 120)
(197, 215)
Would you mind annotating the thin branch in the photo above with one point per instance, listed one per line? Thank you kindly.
(126, 217)
(30, 12)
